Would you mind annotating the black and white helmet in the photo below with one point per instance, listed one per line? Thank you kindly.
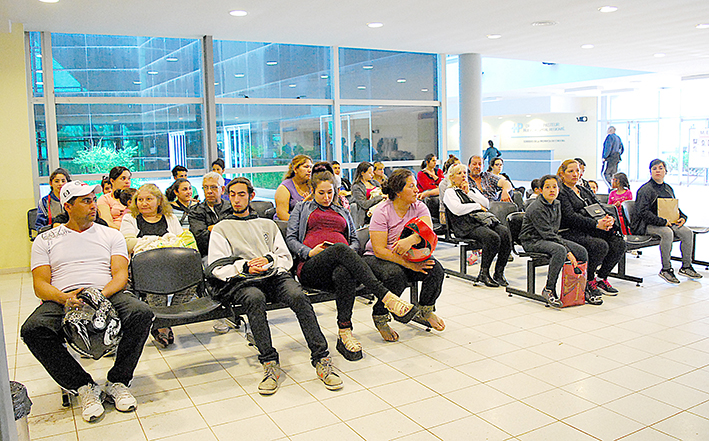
(93, 330)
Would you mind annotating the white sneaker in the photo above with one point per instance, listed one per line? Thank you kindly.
(91, 399)
(121, 397)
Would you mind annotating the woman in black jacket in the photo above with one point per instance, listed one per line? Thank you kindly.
(601, 239)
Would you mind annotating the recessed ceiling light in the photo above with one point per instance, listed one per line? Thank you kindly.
(499, 117)
(659, 55)
(361, 87)
(271, 63)
(236, 117)
(324, 77)
(528, 116)
(152, 72)
(702, 26)
(292, 85)
(239, 75)
(49, 1)
(115, 120)
(494, 36)
(136, 82)
(586, 46)
(544, 23)
(216, 84)
(424, 90)
(238, 13)
(608, 8)
(367, 67)
(171, 59)
(401, 80)
(375, 24)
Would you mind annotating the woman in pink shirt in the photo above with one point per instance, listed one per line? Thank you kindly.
(110, 208)
(385, 252)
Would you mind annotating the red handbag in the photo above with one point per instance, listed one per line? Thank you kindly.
(573, 286)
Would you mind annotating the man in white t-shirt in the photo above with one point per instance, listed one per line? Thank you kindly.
(66, 259)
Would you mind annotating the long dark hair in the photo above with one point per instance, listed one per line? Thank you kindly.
(426, 159)
(396, 182)
(622, 179)
(492, 162)
(361, 169)
(171, 192)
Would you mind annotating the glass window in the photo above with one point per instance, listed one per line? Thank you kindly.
(269, 70)
(268, 135)
(371, 74)
(93, 138)
(35, 55)
(106, 65)
(381, 133)
(40, 128)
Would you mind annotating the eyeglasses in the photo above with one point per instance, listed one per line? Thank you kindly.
(210, 187)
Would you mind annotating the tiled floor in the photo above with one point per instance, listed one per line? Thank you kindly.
(636, 368)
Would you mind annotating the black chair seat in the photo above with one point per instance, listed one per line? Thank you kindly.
(641, 241)
(189, 310)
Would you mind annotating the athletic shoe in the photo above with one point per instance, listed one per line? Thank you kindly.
(605, 285)
(326, 373)
(669, 276)
(593, 295)
(91, 400)
(121, 397)
(688, 271)
(552, 298)
(271, 374)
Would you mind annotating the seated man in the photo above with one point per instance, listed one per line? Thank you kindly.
(205, 215)
(493, 187)
(257, 248)
(66, 259)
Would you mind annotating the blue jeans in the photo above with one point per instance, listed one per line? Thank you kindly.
(43, 335)
(280, 288)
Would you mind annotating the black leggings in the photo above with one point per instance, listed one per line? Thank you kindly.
(604, 249)
(496, 241)
(341, 269)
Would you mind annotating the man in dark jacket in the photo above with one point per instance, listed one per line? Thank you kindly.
(612, 149)
(646, 221)
(202, 217)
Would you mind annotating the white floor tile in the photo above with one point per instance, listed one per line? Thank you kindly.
(603, 424)
(433, 411)
(385, 425)
(516, 418)
(685, 426)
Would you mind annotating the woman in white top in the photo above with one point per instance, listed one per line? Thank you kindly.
(151, 215)
(180, 196)
(466, 208)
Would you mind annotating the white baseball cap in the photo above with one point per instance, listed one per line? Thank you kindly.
(76, 188)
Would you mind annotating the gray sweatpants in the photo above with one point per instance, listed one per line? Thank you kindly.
(667, 235)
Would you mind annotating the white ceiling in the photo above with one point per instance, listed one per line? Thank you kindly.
(627, 38)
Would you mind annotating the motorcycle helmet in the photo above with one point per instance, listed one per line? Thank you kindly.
(93, 330)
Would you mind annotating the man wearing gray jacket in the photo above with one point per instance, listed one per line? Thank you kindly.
(256, 269)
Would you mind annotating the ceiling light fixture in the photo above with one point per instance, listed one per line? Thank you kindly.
(702, 26)
(586, 46)
(324, 77)
(49, 1)
(239, 75)
(401, 80)
(375, 24)
(659, 55)
(494, 36)
(608, 8)
(528, 116)
(361, 87)
(171, 59)
(368, 67)
(137, 83)
(271, 63)
(216, 84)
(544, 23)
(292, 85)
(152, 72)
(238, 13)
(424, 90)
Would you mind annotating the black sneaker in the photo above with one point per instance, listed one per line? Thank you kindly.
(593, 296)
(606, 286)
(669, 276)
(552, 298)
(688, 271)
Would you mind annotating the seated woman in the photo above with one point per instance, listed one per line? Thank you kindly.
(110, 208)
(295, 186)
(647, 221)
(430, 176)
(379, 174)
(601, 237)
(463, 203)
(443, 186)
(151, 215)
(495, 168)
(540, 234)
(49, 206)
(323, 237)
(385, 252)
(366, 192)
(179, 194)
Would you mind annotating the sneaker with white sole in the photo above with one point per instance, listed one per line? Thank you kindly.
(91, 400)
(271, 374)
(121, 397)
(552, 298)
(605, 285)
(669, 276)
(327, 374)
(688, 271)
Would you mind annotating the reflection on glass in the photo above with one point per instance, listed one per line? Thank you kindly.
(372, 74)
(93, 138)
(40, 128)
(269, 70)
(35, 55)
(381, 133)
(108, 65)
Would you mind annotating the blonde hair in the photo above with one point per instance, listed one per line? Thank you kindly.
(453, 169)
(564, 165)
(163, 204)
(295, 163)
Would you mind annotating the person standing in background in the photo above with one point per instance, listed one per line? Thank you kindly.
(612, 150)
(491, 153)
